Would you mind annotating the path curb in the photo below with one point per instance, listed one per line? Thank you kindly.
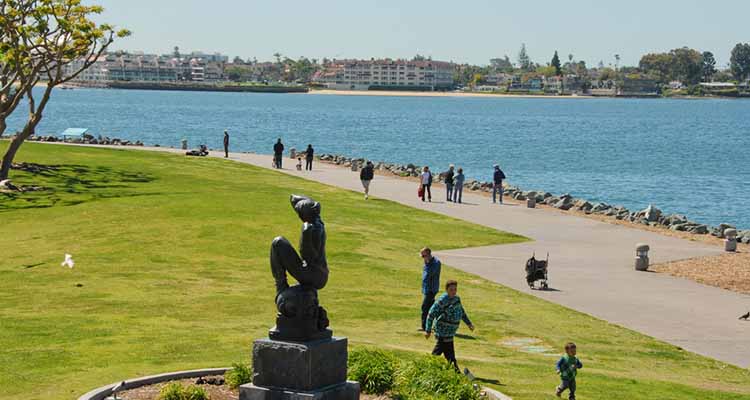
(105, 391)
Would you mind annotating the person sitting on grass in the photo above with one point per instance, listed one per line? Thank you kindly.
(568, 367)
(447, 314)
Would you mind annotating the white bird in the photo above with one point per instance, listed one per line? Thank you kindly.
(68, 261)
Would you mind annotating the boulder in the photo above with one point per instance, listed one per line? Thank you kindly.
(565, 203)
(600, 208)
(698, 229)
(651, 213)
(584, 205)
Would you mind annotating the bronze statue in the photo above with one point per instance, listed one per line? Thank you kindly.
(300, 317)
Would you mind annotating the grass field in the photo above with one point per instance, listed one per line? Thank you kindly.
(172, 273)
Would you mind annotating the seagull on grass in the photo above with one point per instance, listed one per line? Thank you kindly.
(68, 261)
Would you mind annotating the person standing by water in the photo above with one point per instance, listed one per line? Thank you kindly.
(278, 153)
(309, 154)
(458, 189)
(366, 175)
(449, 183)
(447, 314)
(425, 180)
(430, 282)
(226, 143)
(497, 184)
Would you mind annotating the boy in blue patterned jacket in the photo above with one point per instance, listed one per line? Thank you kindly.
(568, 367)
(447, 314)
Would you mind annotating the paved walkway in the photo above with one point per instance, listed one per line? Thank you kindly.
(591, 265)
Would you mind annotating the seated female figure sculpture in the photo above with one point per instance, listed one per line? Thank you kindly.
(300, 316)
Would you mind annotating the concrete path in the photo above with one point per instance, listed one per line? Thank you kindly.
(591, 265)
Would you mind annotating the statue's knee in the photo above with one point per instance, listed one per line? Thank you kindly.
(278, 241)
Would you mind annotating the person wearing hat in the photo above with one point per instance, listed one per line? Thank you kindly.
(449, 183)
(226, 143)
(497, 184)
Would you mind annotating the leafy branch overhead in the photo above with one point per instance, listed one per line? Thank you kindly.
(44, 40)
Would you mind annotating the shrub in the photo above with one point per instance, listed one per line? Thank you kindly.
(175, 391)
(430, 377)
(240, 374)
(373, 369)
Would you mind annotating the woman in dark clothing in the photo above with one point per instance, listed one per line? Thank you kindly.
(309, 153)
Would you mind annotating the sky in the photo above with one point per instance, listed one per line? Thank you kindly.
(459, 31)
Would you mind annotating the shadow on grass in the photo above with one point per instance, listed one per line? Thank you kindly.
(488, 381)
(67, 185)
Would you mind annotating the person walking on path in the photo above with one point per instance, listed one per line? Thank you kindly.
(568, 367)
(309, 154)
(430, 282)
(458, 189)
(449, 183)
(366, 175)
(226, 144)
(497, 185)
(446, 315)
(278, 153)
(425, 180)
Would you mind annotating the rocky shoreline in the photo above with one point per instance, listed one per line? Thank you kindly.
(650, 216)
(88, 139)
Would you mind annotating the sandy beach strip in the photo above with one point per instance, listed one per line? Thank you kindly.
(397, 93)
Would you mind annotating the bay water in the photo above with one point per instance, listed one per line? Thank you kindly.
(685, 156)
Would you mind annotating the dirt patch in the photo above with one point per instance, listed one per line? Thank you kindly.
(729, 271)
(151, 392)
(215, 392)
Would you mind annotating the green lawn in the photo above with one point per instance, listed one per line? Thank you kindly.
(172, 256)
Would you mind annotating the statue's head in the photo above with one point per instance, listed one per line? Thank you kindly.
(307, 208)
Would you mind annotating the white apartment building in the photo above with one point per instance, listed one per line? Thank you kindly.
(387, 74)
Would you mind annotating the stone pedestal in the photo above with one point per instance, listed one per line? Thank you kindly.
(300, 370)
(345, 391)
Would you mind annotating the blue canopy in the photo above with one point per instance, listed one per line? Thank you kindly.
(74, 132)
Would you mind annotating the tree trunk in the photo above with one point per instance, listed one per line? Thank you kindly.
(15, 144)
(28, 130)
(2, 126)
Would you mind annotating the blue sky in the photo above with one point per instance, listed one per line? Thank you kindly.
(461, 31)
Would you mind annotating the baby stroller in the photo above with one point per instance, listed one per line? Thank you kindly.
(536, 270)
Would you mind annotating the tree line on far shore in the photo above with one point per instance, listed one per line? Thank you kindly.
(686, 65)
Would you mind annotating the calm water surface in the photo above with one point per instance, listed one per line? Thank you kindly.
(690, 157)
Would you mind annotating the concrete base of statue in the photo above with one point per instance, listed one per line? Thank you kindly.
(285, 370)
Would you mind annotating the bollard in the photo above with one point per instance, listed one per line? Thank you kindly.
(730, 239)
(292, 153)
(184, 144)
(531, 200)
(641, 257)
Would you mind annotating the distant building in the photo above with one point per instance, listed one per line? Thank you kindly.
(676, 85)
(386, 74)
(638, 88)
(123, 66)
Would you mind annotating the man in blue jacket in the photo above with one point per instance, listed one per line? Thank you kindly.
(497, 184)
(430, 282)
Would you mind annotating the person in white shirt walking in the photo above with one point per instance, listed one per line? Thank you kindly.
(426, 181)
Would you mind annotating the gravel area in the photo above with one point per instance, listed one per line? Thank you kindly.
(215, 392)
(151, 392)
(729, 271)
